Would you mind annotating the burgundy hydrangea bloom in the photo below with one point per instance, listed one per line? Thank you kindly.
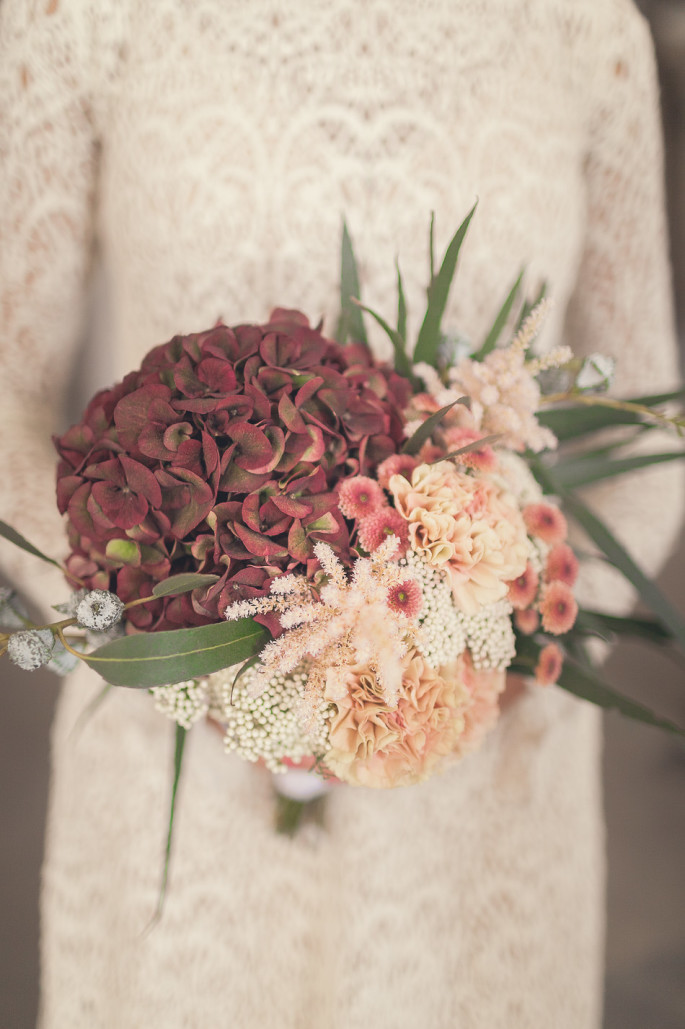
(222, 454)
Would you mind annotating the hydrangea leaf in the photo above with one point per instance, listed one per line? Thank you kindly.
(182, 583)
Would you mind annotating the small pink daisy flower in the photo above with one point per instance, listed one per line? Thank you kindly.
(405, 598)
(550, 663)
(562, 564)
(522, 591)
(527, 621)
(359, 496)
(375, 529)
(546, 522)
(558, 608)
(483, 458)
(396, 464)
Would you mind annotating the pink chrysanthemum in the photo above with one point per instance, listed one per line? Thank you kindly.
(396, 464)
(562, 564)
(405, 598)
(374, 530)
(522, 591)
(546, 522)
(482, 458)
(527, 621)
(359, 496)
(558, 608)
(550, 663)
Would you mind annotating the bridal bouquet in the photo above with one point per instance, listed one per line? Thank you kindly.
(337, 559)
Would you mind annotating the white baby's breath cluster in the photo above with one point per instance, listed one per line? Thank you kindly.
(184, 702)
(445, 632)
(349, 622)
(270, 727)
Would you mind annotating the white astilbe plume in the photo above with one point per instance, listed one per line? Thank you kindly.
(349, 622)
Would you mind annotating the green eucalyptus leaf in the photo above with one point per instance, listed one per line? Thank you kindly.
(182, 583)
(490, 341)
(8, 533)
(350, 323)
(160, 658)
(428, 342)
(402, 362)
(573, 474)
(426, 429)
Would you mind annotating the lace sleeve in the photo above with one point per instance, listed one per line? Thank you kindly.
(47, 164)
(623, 305)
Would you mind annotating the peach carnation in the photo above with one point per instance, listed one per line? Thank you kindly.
(562, 564)
(359, 496)
(558, 608)
(550, 663)
(546, 522)
(373, 744)
(485, 686)
(468, 526)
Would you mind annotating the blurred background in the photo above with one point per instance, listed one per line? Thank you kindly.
(644, 769)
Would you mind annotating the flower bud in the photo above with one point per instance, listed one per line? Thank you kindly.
(99, 610)
(30, 648)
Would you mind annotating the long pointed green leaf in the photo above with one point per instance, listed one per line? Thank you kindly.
(425, 430)
(649, 592)
(159, 658)
(402, 362)
(587, 685)
(490, 341)
(182, 583)
(530, 305)
(431, 246)
(596, 622)
(572, 422)
(470, 447)
(179, 746)
(350, 323)
(438, 291)
(20, 541)
(583, 472)
(401, 308)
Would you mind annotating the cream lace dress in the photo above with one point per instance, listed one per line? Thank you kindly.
(206, 152)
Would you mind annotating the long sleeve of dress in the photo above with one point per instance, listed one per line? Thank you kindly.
(622, 304)
(47, 175)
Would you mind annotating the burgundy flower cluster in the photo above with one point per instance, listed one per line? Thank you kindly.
(221, 455)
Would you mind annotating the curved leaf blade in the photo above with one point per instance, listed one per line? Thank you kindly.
(350, 322)
(10, 534)
(179, 746)
(401, 308)
(175, 585)
(490, 341)
(571, 422)
(425, 430)
(159, 658)
(429, 335)
(573, 474)
(402, 362)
